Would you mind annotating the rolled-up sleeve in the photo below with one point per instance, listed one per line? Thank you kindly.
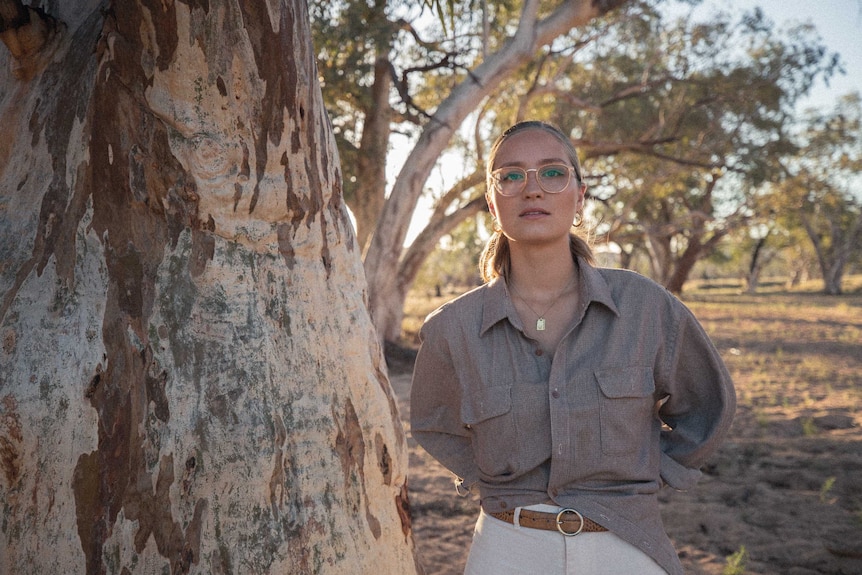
(435, 406)
(700, 402)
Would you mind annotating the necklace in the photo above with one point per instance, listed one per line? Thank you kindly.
(540, 323)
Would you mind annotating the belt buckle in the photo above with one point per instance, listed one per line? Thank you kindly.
(560, 522)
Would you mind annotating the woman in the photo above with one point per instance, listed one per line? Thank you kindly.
(566, 394)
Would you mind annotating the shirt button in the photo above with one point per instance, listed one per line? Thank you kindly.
(539, 352)
(503, 505)
(555, 394)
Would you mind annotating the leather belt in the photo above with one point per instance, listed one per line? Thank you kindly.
(568, 521)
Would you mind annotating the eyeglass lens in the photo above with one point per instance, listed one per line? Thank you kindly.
(553, 178)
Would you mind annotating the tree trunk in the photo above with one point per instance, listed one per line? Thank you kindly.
(752, 279)
(178, 269)
(683, 265)
(371, 155)
(419, 251)
(832, 281)
(830, 266)
(659, 251)
(799, 266)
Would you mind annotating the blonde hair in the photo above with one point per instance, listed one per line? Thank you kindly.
(495, 260)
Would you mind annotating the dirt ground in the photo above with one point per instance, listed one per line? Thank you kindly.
(782, 496)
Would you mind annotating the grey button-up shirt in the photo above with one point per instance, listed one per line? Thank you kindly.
(634, 395)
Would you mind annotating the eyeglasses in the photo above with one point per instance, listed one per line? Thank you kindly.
(511, 180)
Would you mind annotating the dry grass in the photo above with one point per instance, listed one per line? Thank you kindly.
(785, 487)
(784, 495)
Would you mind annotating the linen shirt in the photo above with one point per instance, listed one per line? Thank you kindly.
(635, 395)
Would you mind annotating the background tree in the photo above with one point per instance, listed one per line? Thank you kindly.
(706, 107)
(354, 42)
(824, 189)
(456, 261)
(763, 244)
(178, 266)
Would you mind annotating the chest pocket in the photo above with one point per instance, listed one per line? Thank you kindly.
(626, 408)
(488, 413)
(510, 426)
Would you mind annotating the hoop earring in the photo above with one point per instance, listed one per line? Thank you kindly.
(579, 219)
(495, 225)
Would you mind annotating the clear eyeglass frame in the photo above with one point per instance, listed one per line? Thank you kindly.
(551, 184)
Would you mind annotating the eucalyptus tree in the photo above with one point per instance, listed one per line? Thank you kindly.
(680, 122)
(823, 192)
(764, 241)
(189, 378)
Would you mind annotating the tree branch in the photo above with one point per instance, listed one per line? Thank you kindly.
(647, 148)
(459, 188)
(427, 240)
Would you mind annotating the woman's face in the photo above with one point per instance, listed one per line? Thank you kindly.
(535, 216)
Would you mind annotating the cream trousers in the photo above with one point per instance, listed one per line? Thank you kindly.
(499, 548)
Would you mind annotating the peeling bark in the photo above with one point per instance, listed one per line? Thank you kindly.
(26, 32)
(185, 343)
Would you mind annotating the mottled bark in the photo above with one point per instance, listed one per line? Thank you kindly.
(190, 380)
(26, 33)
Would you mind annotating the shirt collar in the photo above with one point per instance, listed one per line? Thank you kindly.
(498, 303)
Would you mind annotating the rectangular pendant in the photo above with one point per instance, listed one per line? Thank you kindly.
(540, 324)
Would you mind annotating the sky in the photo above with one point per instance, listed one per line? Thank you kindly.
(839, 23)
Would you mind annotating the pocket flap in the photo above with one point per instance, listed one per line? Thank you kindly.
(482, 404)
(618, 382)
